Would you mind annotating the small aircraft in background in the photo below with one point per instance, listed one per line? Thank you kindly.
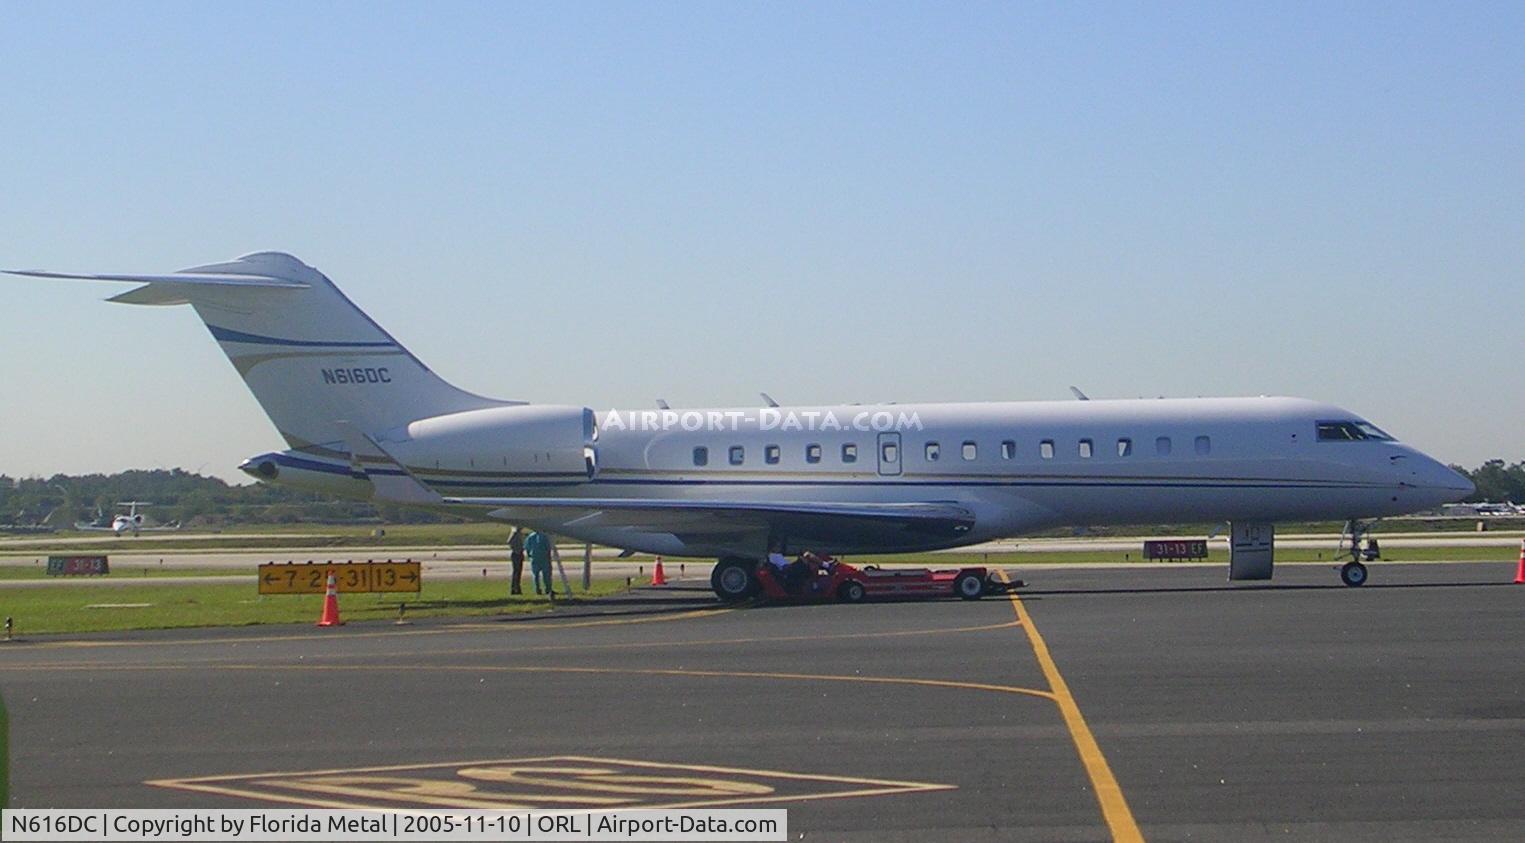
(132, 522)
(31, 528)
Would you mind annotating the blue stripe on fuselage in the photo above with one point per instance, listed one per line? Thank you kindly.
(331, 468)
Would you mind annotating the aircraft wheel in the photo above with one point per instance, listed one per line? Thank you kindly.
(1353, 574)
(734, 579)
(851, 592)
(969, 586)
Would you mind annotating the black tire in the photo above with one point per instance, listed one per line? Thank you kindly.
(734, 579)
(851, 591)
(1353, 574)
(969, 586)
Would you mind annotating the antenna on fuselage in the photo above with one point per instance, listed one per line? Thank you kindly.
(1078, 394)
(662, 404)
(768, 399)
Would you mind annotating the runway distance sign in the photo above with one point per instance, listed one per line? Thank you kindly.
(1175, 549)
(74, 566)
(350, 577)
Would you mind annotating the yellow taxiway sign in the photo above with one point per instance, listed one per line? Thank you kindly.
(312, 577)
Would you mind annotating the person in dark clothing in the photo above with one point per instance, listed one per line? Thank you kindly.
(516, 559)
(802, 570)
(794, 576)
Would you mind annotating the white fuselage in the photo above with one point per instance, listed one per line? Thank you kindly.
(1018, 466)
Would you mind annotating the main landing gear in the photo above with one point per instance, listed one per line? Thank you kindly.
(735, 579)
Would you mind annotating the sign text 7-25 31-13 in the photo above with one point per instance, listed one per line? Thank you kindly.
(349, 577)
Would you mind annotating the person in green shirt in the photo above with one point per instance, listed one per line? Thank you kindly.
(538, 548)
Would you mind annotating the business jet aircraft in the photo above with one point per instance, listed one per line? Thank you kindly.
(132, 522)
(365, 418)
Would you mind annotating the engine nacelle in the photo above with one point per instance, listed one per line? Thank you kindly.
(529, 441)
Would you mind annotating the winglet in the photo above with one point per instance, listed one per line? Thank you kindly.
(390, 482)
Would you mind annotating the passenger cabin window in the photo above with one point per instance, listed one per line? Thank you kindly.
(738, 455)
(1350, 431)
(1162, 446)
(1204, 446)
(772, 454)
(933, 451)
(971, 450)
(849, 452)
(1125, 447)
(812, 453)
(701, 455)
(1085, 449)
(1046, 449)
(1008, 450)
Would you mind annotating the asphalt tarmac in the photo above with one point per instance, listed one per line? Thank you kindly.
(1104, 704)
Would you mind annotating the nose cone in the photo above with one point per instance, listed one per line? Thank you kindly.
(1442, 483)
(1460, 484)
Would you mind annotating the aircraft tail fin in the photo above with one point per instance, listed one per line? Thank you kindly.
(308, 354)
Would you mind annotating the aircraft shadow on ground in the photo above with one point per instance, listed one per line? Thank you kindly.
(636, 606)
(1208, 589)
(650, 603)
(1040, 593)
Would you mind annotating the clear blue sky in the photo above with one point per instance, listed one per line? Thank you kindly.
(609, 203)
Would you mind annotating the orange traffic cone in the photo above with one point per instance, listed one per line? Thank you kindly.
(331, 603)
(1519, 576)
(657, 576)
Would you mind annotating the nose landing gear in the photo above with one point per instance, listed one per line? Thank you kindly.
(1353, 573)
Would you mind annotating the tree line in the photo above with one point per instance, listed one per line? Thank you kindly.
(1497, 482)
(192, 499)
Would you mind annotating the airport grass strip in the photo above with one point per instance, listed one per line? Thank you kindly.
(77, 608)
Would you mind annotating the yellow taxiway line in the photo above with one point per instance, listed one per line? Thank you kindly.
(545, 623)
(1114, 807)
(541, 648)
(499, 668)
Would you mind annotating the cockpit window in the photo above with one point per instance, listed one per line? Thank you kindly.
(1350, 431)
(1374, 432)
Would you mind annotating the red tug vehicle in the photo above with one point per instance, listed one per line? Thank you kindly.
(812, 579)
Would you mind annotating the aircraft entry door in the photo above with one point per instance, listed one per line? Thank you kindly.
(889, 454)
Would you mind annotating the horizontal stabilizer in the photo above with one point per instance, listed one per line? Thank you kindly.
(225, 279)
(173, 288)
